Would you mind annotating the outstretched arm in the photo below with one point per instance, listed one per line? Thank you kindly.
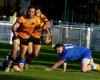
(65, 66)
(56, 65)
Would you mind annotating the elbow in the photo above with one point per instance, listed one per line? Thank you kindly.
(62, 62)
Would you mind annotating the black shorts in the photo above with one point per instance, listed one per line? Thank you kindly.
(22, 40)
(35, 40)
(15, 37)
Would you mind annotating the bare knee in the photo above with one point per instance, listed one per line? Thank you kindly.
(84, 70)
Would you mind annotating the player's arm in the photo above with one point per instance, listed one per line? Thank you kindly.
(47, 31)
(56, 65)
(65, 66)
(15, 27)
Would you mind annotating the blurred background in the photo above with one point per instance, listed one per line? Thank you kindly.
(73, 21)
(87, 11)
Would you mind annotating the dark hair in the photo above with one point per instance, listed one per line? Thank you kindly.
(38, 7)
(31, 6)
(58, 45)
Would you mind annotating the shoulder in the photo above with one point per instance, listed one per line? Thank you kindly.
(37, 19)
(20, 19)
(44, 18)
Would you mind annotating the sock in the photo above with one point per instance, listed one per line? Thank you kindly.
(93, 66)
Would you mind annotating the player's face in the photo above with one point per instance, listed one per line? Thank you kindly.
(31, 12)
(59, 50)
(38, 12)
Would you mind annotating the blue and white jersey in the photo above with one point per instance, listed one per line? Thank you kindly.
(75, 52)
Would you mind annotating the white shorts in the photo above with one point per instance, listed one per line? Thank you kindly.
(85, 60)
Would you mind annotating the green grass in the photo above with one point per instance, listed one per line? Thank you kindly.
(45, 59)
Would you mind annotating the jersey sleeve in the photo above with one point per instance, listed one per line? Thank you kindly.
(64, 58)
(20, 19)
(44, 18)
(64, 55)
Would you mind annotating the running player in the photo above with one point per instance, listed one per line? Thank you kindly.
(36, 35)
(22, 29)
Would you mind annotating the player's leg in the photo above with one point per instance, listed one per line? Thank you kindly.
(30, 48)
(28, 54)
(85, 65)
(19, 67)
(36, 49)
(95, 66)
(15, 46)
(23, 50)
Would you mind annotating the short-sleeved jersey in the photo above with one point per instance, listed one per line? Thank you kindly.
(38, 30)
(75, 52)
(27, 26)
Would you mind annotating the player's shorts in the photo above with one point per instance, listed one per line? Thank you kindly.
(15, 37)
(85, 60)
(87, 57)
(24, 41)
(22, 61)
(35, 40)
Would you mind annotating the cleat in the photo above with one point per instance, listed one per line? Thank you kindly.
(98, 67)
(16, 68)
(7, 69)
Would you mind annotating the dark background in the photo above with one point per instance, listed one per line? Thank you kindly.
(87, 11)
(76, 10)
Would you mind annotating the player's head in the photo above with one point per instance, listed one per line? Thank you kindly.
(31, 11)
(38, 11)
(58, 48)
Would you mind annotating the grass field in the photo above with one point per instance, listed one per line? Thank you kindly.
(45, 59)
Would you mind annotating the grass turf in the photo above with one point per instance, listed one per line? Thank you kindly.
(45, 59)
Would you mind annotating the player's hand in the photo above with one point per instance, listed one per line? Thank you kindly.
(63, 70)
(47, 39)
(48, 69)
